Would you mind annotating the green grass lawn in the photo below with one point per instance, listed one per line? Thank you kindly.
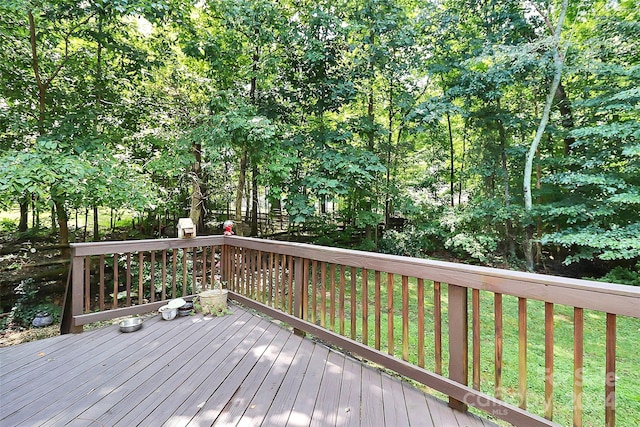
(627, 360)
(10, 218)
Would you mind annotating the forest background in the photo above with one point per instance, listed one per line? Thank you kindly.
(504, 133)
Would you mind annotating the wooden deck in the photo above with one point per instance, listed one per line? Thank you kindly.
(236, 370)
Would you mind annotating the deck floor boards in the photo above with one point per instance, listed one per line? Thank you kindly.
(235, 370)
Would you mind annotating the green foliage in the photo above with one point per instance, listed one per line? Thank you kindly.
(622, 275)
(408, 242)
(7, 224)
(27, 305)
(347, 113)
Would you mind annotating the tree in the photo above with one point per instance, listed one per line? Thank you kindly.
(558, 59)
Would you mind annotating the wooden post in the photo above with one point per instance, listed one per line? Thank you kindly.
(610, 383)
(77, 291)
(458, 341)
(299, 309)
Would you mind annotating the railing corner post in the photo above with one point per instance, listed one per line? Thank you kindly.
(458, 341)
(76, 295)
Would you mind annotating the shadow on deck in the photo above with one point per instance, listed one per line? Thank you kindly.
(235, 370)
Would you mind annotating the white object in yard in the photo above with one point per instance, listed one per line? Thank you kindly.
(186, 228)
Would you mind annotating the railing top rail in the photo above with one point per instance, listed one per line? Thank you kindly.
(606, 297)
(122, 246)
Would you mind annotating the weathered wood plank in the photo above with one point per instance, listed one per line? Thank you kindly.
(262, 400)
(395, 408)
(280, 409)
(197, 390)
(309, 388)
(350, 391)
(371, 410)
(327, 403)
(417, 409)
(228, 401)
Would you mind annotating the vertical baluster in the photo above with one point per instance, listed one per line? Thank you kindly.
(164, 274)
(254, 271)
(264, 271)
(277, 274)
(305, 288)
(253, 293)
(283, 279)
(212, 278)
(184, 271)
(353, 303)
(610, 385)
(234, 267)
(140, 277)
(332, 297)
(194, 268)
(365, 307)
(405, 318)
(420, 297)
(378, 307)
(290, 284)
(152, 291)
(101, 289)
(578, 353)
(244, 283)
(174, 278)
(114, 303)
(314, 296)
(341, 305)
(203, 281)
(497, 308)
(323, 289)
(262, 276)
(522, 353)
(271, 269)
(475, 327)
(437, 327)
(548, 360)
(128, 279)
(239, 268)
(246, 271)
(390, 339)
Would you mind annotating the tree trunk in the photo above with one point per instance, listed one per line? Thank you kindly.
(451, 159)
(96, 233)
(86, 223)
(462, 160)
(511, 246)
(63, 224)
(24, 215)
(254, 200)
(196, 212)
(564, 106)
(528, 169)
(54, 224)
(240, 187)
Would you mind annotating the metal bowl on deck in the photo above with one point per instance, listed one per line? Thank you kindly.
(131, 324)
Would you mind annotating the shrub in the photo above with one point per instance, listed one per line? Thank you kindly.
(28, 305)
(622, 275)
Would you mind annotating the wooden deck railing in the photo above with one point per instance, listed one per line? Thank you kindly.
(430, 321)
